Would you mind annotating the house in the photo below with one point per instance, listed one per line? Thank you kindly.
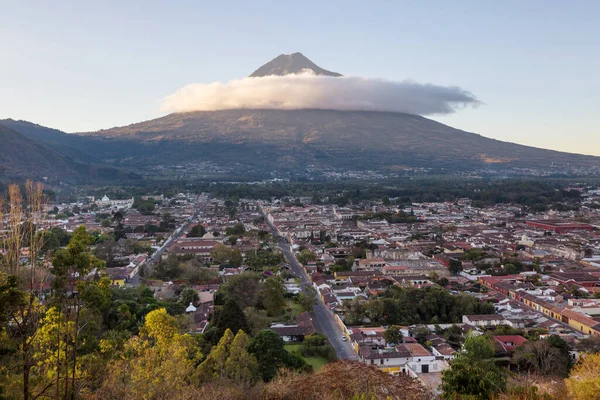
(443, 350)
(484, 320)
(371, 264)
(581, 322)
(296, 332)
(422, 360)
(401, 359)
(510, 342)
(393, 360)
(118, 275)
(291, 333)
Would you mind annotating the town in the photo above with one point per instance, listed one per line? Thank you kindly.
(399, 286)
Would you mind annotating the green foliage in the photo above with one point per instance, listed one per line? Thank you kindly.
(507, 330)
(473, 371)
(305, 256)
(307, 298)
(271, 355)
(317, 345)
(238, 230)
(55, 238)
(221, 253)
(155, 365)
(454, 335)
(262, 259)
(236, 258)
(474, 254)
(230, 359)
(455, 266)
(229, 316)
(393, 334)
(257, 319)
(408, 306)
(197, 231)
(273, 297)
(510, 269)
(11, 297)
(244, 289)
(393, 218)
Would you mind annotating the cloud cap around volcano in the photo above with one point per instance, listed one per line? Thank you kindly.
(309, 91)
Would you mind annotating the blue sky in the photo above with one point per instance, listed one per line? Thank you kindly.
(83, 65)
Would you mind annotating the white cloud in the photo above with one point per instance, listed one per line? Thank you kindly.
(322, 92)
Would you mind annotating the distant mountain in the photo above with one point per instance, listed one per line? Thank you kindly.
(358, 140)
(22, 156)
(291, 64)
(68, 145)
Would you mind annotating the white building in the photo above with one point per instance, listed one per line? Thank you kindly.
(114, 204)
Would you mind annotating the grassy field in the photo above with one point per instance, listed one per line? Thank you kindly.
(316, 362)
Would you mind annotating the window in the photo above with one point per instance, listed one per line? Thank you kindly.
(381, 362)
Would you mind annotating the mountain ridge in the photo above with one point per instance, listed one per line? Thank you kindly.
(371, 138)
(47, 152)
(23, 155)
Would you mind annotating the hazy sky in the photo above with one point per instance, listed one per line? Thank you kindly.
(86, 65)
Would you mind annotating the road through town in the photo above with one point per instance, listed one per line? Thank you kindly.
(324, 320)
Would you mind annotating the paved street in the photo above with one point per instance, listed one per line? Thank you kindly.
(324, 321)
(155, 257)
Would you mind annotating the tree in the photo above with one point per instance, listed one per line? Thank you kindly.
(189, 295)
(146, 207)
(241, 366)
(154, 365)
(473, 371)
(237, 230)
(197, 231)
(268, 347)
(70, 267)
(213, 367)
(307, 298)
(455, 266)
(242, 288)
(374, 310)
(221, 253)
(258, 320)
(21, 280)
(421, 333)
(543, 358)
(305, 256)
(317, 345)
(583, 382)
(393, 334)
(230, 316)
(236, 258)
(273, 299)
(55, 238)
(507, 330)
(454, 335)
(510, 269)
